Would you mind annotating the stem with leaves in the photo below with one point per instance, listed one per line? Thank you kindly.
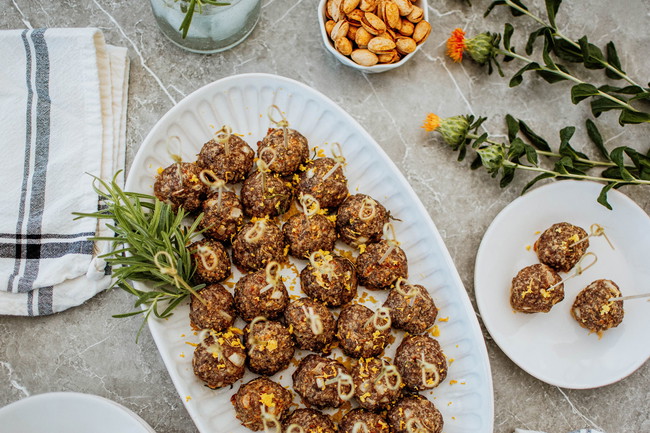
(189, 7)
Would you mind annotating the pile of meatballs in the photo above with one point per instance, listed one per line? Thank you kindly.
(537, 288)
(248, 224)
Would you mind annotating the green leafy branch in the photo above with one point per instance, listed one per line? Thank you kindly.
(188, 7)
(622, 166)
(150, 245)
(604, 97)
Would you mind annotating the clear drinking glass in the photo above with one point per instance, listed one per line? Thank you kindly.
(216, 28)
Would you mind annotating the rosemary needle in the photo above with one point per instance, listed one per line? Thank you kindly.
(150, 245)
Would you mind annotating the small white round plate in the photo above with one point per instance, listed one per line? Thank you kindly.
(70, 412)
(552, 347)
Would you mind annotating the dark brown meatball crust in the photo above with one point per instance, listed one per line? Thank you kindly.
(529, 293)
(186, 191)
(415, 407)
(269, 246)
(288, 158)
(375, 422)
(355, 231)
(269, 346)
(408, 360)
(271, 197)
(333, 288)
(250, 303)
(219, 371)
(357, 334)
(309, 379)
(300, 325)
(370, 385)
(310, 420)
(232, 167)
(221, 222)
(218, 312)
(330, 192)
(306, 235)
(554, 247)
(251, 396)
(414, 314)
(207, 270)
(593, 309)
(375, 275)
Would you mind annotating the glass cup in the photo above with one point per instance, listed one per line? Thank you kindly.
(214, 29)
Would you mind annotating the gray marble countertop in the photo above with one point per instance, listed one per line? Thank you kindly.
(86, 350)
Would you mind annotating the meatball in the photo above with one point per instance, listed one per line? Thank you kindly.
(310, 420)
(269, 347)
(329, 279)
(593, 309)
(374, 422)
(257, 244)
(230, 158)
(218, 311)
(311, 323)
(322, 382)
(219, 359)
(532, 290)
(411, 307)
(266, 194)
(308, 234)
(179, 186)
(557, 246)
(222, 216)
(261, 401)
(330, 191)
(288, 154)
(421, 362)
(381, 265)
(360, 220)
(361, 332)
(377, 383)
(415, 413)
(258, 295)
(211, 260)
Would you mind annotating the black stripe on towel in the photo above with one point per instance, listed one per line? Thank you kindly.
(34, 251)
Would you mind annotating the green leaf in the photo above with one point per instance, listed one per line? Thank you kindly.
(552, 7)
(566, 51)
(566, 134)
(480, 140)
(530, 45)
(596, 138)
(582, 91)
(516, 150)
(476, 163)
(617, 156)
(508, 175)
(592, 55)
(612, 59)
(627, 90)
(602, 197)
(633, 117)
(535, 180)
(518, 77)
(535, 139)
(513, 127)
(550, 77)
(531, 154)
(641, 95)
(508, 30)
(600, 105)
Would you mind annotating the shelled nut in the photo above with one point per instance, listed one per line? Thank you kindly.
(364, 57)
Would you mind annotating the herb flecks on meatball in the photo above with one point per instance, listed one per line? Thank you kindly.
(223, 216)
(219, 358)
(216, 312)
(324, 179)
(309, 231)
(211, 260)
(290, 150)
(535, 289)
(360, 220)
(411, 307)
(322, 382)
(311, 324)
(561, 246)
(415, 414)
(381, 265)
(179, 186)
(228, 156)
(309, 420)
(377, 383)
(355, 420)
(329, 279)
(594, 309)
(261, 402)
(258, 243)
(261, 293)
(362, 332)
(269, 346)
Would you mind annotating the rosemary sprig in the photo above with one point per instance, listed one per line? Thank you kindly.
(485, 48)
(188, 7)
(506, 158)
(150, 244)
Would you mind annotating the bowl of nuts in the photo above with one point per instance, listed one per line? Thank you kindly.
(373, 35)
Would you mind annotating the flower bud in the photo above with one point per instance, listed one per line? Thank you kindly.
(454, 130)
(480, 48)
(492, 157)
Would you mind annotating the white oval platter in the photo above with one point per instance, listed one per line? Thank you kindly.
(465, 398)
(553, 347)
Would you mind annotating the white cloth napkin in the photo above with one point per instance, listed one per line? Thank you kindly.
(62, 116)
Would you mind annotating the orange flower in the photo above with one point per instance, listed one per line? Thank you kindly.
(456, 45)
(431, 123)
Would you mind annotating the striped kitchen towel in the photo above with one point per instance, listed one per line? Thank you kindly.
(62, 116)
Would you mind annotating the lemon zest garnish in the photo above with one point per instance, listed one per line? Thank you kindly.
(267, 399)
(444, 319)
